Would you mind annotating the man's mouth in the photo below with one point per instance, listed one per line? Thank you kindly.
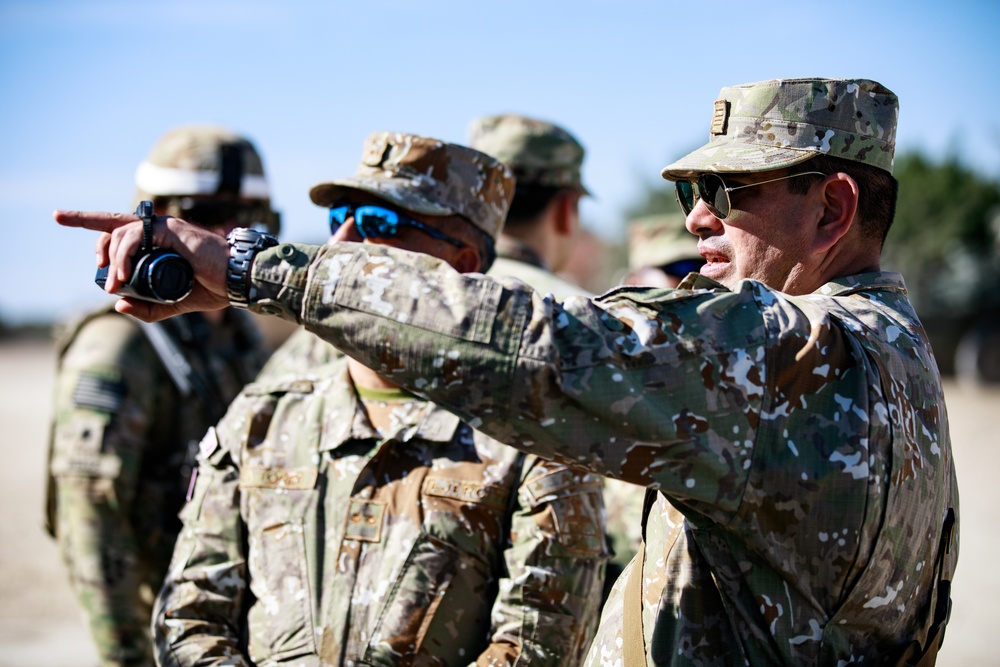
(716, 263)
(712, 257)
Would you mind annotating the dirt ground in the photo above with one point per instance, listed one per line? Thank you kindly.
(41, 627)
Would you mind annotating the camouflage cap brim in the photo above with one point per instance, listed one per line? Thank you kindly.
(396, 191)
(660, 239)
(732, 157)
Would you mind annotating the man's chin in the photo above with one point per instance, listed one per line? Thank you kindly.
(717, 271)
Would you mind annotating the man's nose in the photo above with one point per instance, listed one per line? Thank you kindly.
(347, 232)
(700, 220)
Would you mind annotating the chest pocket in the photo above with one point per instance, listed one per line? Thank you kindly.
(278, 478)
(469, 513)
(568, 505)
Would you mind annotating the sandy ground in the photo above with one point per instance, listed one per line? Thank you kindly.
(41, 627)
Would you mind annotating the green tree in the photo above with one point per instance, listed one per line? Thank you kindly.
(941, 206)
(942, 240)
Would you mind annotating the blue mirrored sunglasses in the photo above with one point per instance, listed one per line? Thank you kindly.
(378, 222)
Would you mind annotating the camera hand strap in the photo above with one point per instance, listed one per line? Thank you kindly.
(145, 211)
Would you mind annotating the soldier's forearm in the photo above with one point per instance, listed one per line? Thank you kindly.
(99, 551)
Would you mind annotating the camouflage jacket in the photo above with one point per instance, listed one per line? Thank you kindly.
(124, 437)
(797, 447)
(312, 539)
(622, 500)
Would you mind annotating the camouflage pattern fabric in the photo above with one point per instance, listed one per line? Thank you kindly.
(658, 240)
(622, 501)
(538, 152)
(798, 446)
(778, 123)
(122, 450)
(330, 543)
(301, 352)
(428, 176)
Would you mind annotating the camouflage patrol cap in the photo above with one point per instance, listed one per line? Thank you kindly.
(430, 177)
(779, 123)
(202, 160)
(657, 240)
(539, 152)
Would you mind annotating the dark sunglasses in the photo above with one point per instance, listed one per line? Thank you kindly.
(378, 222)
(682, 267)
(715, 193)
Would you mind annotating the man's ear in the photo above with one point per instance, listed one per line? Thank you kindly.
(465, 260)
(567, 213)
(839, 197)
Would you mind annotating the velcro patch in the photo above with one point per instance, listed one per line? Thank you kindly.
(559, 483)
(720, 117)
(277, 478)
(87, 465)
(467, 491)
(364, 520)
(99, 393)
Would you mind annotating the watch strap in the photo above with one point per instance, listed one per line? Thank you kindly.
(244, 244)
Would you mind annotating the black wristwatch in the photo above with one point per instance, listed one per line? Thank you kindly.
(244, 244)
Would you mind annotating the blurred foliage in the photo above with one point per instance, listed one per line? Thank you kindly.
(656, 198)
(940, 206)
(944, 239)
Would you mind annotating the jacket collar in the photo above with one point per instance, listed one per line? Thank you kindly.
(346, 419)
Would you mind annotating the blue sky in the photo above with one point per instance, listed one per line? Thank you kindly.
(88, 86)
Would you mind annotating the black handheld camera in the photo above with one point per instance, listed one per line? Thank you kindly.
(158, 275)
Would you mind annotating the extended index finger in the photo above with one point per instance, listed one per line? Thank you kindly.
(95, 220)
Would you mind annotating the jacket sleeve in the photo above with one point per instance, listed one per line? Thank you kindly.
(198, 616)
(661, 388)
(103, 415)
(548, 604)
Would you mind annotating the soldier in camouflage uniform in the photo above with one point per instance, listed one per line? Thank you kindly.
(544, 219)
(783, 407)
(132, 401)
(537, 239)
(661, 251)
(338, 519)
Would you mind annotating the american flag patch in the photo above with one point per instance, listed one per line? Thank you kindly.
(99, 393)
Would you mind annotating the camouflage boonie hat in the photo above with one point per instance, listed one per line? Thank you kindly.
(657, 240)
(202, 160)
(430, 177)
(538, 152)
(779, 123)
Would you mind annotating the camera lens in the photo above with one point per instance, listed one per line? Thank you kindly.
(170, 277)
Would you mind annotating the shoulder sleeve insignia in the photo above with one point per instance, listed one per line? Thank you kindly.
(99, 393)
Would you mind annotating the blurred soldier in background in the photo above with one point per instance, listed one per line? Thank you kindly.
(538, 238)
(544, 218)
(339, 519)
(133, 399)
(661, 251)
